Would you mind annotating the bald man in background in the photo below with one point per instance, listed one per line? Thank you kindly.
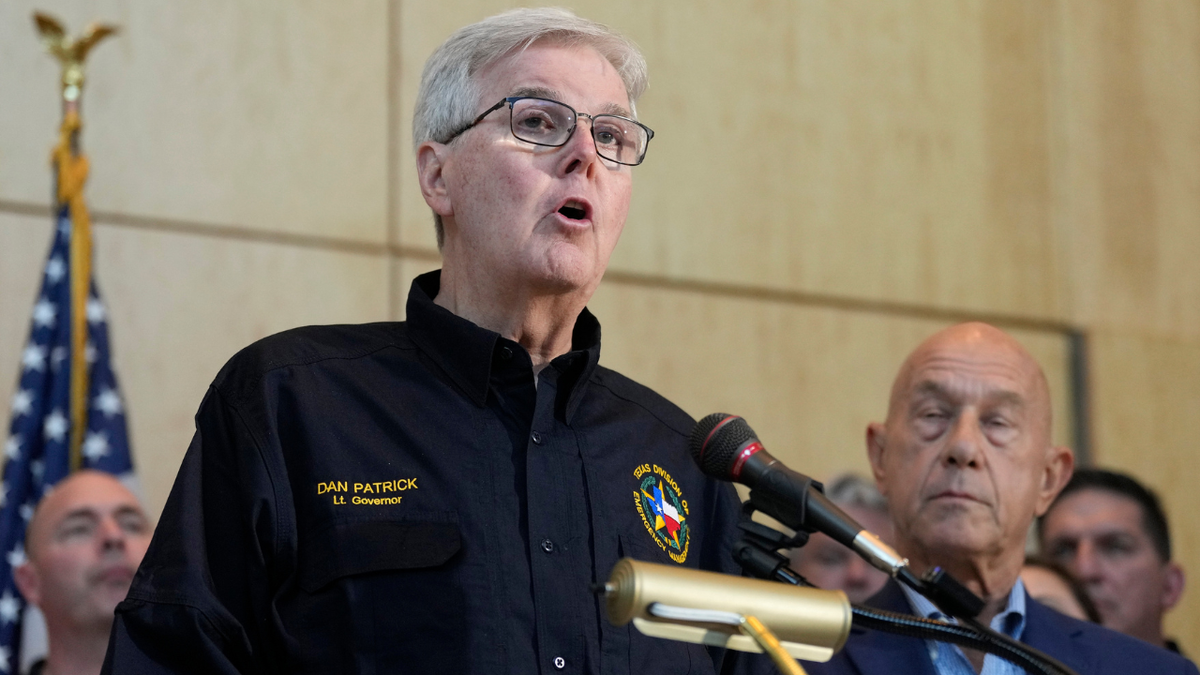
(84, 543)
(966, 463)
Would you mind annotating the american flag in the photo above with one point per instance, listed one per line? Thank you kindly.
(36, 452)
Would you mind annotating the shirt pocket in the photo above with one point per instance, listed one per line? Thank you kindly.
(348, 548)
(375, 593)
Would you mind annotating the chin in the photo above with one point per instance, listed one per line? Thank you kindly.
(567, 271)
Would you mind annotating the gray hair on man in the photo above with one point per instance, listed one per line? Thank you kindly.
(448, 98)
(853, 490)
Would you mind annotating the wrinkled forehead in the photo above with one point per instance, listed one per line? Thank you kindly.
(977, 371)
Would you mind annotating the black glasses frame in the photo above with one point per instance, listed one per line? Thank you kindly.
(510, 100)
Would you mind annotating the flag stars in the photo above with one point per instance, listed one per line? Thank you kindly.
(34, 358)
(27, 511)
(90, 353)
(12, 448)
(10, 608)
(44, 314)
(57, 356)
(56, 426)
(16, 557)
(95, 446)
(95, 311)
(56, 269)
(5, 655)
(22, 403)
(108, 402)
(38, 468)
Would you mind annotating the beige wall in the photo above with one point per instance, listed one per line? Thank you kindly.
(830, 182)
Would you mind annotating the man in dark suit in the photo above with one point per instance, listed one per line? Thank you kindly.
(966, 463)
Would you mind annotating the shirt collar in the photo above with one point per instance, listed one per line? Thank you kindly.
(465, 351)
(1010, 621)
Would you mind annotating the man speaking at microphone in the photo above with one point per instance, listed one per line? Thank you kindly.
(966, 463)
(440, 495)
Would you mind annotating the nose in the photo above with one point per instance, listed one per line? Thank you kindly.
(857, 572)
(112, 535)
(1085, 564)
(580, 149)
(965, 443)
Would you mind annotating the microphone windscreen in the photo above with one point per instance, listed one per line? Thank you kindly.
(715, 442)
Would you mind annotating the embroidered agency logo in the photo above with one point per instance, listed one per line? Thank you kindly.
(663, 510)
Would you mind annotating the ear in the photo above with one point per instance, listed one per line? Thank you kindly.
(28, 583)
(1059, 466)
(1173, 586)
(431, 163)
(876, 443)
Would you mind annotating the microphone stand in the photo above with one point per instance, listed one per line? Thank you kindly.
(757, 551)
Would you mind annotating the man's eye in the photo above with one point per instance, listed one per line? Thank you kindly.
(1120, 546)
(1061, 551)
(609, 136)
(537, 122)
(78, 530)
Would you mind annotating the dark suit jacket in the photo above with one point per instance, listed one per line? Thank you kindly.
(1086, 648)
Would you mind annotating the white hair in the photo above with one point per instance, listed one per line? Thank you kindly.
(449, 96)
(853, 490)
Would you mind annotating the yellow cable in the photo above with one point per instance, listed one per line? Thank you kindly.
(770, 644)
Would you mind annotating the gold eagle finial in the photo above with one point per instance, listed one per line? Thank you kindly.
(70, 53)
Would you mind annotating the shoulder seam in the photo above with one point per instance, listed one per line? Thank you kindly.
(272, 366)
(600, 383)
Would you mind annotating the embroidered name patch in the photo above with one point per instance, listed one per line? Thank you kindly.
(376, 493)
(663, 510)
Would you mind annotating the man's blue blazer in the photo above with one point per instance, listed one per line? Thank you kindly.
(1086, 648)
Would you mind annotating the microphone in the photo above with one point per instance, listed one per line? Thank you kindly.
(679, 603)
(726, 448)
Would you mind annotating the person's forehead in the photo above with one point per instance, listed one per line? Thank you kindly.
(1094, 512)
(962, 373)
(562, 72)
(90, 494)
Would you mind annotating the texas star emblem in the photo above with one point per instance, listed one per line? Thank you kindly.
(663, 510)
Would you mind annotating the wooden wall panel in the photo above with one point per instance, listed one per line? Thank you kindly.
(1130, 197)
(259, 115)
(893, 151)
(807, 379)
(1147, 398)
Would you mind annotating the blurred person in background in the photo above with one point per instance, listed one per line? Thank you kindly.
(84, 543)
(828, 564)
(1110, 532)
(1052, 585)
(966, 462)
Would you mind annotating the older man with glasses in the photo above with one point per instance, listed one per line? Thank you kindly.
(440, 495)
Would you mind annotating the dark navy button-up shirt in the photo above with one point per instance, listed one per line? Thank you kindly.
(407, 498)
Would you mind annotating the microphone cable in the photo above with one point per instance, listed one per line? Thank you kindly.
(756, 553)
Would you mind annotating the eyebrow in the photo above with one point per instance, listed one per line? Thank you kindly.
(91, 514)
(554, 94)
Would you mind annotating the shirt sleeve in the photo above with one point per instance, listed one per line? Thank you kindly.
(200, 600)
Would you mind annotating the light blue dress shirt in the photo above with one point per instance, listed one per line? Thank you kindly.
(948, 659)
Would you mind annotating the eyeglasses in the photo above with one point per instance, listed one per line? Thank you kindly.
(543, 121)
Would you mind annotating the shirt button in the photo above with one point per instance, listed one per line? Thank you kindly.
(548, 547)
(537, 437)
(506, 353)
(560, 662)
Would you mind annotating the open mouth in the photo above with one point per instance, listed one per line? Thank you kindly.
(574, 210)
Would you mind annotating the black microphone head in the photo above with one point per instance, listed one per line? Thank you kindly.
(715, 443)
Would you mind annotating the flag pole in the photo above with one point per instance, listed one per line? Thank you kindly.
(71, 168)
